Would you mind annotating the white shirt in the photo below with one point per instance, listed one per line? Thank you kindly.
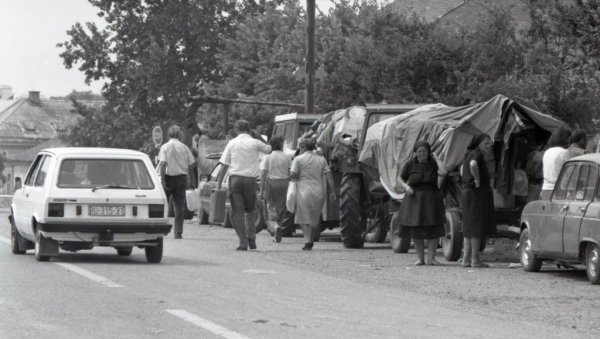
(553, 160)
(241, 155)
(277, 164)
(177, 156)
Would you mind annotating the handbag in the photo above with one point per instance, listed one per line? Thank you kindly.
(290, 201)
(192, 199)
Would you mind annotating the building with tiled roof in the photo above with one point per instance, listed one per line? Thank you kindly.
(27, 123)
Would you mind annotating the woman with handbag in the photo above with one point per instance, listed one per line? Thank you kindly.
(274, 181)
(310, 173)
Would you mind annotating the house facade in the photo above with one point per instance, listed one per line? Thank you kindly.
(28, 125)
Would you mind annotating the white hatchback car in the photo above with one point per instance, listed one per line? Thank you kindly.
(77, 198)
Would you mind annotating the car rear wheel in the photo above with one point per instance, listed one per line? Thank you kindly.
(154, 253)
(40, 243)
(124, 251)
(592, 263)
(16, 239)
(529, 261)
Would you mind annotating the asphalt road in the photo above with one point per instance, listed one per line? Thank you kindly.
(205, 289)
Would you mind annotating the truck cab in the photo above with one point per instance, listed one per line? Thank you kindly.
(291, 127)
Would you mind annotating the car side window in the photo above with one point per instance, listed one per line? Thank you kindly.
(572, 184)
(43, 172)
(33, 170)
(561, 188)
(584, 171)
(588, 193)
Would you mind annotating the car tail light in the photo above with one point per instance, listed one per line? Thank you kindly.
(156, 211)
(56, 210)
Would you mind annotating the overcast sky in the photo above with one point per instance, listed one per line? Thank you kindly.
(30, 30)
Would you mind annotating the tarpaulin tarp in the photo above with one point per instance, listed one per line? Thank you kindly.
(389, 144)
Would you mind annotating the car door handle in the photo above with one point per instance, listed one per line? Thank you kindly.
(564, 208)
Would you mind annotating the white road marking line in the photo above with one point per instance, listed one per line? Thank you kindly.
(92, 276)
(206, 324)
(5, 240)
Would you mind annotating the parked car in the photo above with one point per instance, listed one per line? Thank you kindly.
(78, 198)
(207, 185)
(566, 227)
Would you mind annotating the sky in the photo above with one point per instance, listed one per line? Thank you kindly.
(29, 32)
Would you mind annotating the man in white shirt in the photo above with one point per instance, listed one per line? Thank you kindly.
(553, 159)
(175, 158)
(240, 157)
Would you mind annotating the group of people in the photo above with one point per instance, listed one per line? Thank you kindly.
(421, 214)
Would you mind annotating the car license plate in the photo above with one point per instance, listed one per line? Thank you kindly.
(107, 210)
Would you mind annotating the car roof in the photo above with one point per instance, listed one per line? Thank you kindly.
(62, 151)
(593, 157)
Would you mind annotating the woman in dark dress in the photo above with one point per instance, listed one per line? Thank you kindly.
(421, 214)
(479, 214)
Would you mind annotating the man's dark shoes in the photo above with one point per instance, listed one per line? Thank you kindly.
(252, 245)
(308, 246)
(242, 248)
(278, 234)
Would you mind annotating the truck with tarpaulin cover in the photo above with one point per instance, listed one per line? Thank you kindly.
(516, 129)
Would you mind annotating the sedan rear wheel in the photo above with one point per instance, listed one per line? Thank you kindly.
(154, 253)
(592, 263)
(529, 261)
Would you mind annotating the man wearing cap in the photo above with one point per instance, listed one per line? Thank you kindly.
(175, 158)
(240, 157)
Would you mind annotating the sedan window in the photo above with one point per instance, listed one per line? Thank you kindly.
(564, 183)
(43, 172)
(33, 170)
(586, 182)
(94, 173)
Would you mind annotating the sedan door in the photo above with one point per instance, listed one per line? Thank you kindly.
(551, 231)
(583, 195)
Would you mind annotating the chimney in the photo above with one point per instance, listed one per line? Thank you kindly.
(34, 97)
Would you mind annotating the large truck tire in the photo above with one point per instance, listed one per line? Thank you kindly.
(399, 245)
(352, 217)
(452, 242)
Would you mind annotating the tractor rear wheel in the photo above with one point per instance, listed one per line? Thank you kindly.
(352, 216)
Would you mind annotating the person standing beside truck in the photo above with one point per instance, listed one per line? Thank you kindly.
(554, 158)
(577, 144)
(421, 214)
(240, 157)
(477, 201)
(175, 159)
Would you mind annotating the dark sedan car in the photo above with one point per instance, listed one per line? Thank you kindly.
(566, 228)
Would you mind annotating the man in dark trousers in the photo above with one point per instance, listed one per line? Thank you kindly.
(175, 158)
(240, 157)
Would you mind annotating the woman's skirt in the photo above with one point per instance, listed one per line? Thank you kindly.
(478, 212)
(421, 215)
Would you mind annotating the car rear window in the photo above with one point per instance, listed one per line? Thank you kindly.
(116, 173)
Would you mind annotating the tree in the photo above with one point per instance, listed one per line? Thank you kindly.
(154, 55)
(77, 95)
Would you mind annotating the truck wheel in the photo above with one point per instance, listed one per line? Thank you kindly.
(260, 216)
(452, 242)
(352, 218)
(15, 239)
(202, 217)
(529, 261)
(154, 253)
(379, 233)
(399, 245)
(40, 244)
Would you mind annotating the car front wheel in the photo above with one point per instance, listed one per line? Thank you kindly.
(592, 263)
(529, 261)
(154, 253)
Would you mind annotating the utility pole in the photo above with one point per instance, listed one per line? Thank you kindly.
(309, 92)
